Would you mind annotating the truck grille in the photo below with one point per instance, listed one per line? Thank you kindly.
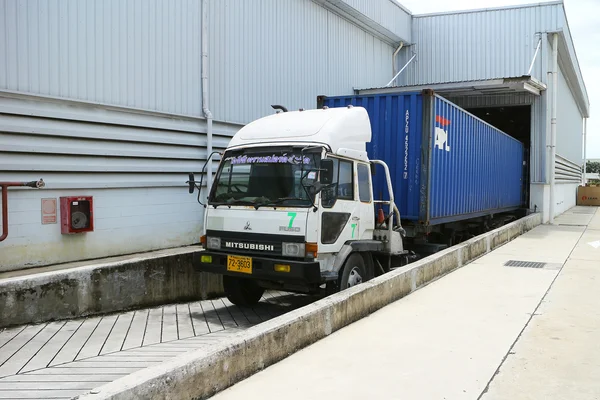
(253, 243)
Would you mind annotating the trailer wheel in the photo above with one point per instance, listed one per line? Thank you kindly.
(242, 292)
(354, 272)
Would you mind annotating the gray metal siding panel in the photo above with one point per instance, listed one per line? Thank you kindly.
(146, 54)
(567, 171)
(143, 54)
(113, 148)
(388, 14)
(479, 45)
(133, 163)
(569, 124)
(573, 54)
(286, 52)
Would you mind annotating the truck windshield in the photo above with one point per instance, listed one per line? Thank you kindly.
(268, 176)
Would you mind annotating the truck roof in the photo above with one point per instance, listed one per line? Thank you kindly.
(341, 129)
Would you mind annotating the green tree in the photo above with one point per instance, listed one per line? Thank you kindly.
(592, 167)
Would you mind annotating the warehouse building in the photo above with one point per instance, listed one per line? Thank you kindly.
(118, 101)
(501, 64)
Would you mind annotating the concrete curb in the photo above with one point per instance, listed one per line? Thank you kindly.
(202, 373)
(146, 280)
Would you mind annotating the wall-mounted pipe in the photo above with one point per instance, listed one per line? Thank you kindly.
(394, 58)
(537, 50)
(205, 110)
(553, 124)
(5, 185)
(584, 180)
(399, 72)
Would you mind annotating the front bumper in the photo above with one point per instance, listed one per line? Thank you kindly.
(304, 272)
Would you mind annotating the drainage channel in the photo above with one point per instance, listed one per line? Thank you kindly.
(63, 359)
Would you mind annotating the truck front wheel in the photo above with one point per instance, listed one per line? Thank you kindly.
(354, 272)
(242, 292)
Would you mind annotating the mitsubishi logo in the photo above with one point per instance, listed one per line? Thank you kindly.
(247, 227)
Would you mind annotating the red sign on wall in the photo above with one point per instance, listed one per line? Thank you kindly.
(48, 211)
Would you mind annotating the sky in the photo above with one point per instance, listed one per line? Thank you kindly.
(585, 30)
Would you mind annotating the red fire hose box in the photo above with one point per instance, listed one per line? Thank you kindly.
(76, 214)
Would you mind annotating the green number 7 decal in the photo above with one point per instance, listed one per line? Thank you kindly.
(292, 218)
(353, 229)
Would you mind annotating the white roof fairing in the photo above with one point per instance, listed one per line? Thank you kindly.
(339, 128)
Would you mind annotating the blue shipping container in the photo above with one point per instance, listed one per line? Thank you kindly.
(446, 164)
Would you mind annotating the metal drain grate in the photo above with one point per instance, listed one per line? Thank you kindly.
(524, 264)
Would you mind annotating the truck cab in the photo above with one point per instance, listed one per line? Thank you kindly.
(292, 207)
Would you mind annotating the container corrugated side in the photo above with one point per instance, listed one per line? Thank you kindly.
(469, 169)
(475, 169)
(396, 125)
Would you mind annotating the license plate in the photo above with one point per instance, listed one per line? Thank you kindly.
(239, 264)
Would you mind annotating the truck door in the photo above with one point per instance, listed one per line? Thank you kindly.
(340, 213)
(366, 223)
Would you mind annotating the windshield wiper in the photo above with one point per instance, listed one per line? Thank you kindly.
(257, 203)
(230, 202)
(269, 202)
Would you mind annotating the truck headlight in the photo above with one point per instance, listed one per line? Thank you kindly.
(213, 243)
(293, 249)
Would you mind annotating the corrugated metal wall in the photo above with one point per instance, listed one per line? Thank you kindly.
(267, 52)
(569, 124)
(567, 171)
(143, 54)
(79, 145)
(480, 45)
(146, 54)
(109, 95)
(576, 70)
(135, 164)
(388, 14)
(538, 123)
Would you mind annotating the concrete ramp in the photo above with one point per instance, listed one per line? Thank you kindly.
(203, 373)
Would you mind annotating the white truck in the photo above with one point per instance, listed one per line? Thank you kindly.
(292, 207)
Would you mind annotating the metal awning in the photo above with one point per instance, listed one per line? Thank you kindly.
(521, 84)
(387, 20)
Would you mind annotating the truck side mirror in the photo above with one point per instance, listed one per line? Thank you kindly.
(191, 182)
(326, 177)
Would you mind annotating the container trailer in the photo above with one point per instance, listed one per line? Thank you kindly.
(453, 174)
(325, 199)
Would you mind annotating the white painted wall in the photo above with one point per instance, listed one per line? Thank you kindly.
(565, 196)
(540, 200)
(125, 221)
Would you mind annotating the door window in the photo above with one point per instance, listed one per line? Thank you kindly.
(342, 187)
(364, 183)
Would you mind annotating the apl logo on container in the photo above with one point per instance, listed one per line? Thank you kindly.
(441, 135)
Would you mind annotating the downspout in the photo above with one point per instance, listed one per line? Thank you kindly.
(584, 180)
(394, 58)
(205, 110)
(553, 124)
